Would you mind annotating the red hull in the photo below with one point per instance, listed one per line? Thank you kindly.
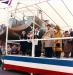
(32, 70)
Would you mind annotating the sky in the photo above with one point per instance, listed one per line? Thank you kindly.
(53, 10)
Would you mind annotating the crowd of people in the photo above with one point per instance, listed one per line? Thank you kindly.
(55, 47)
(27, 33)
(44, 31)
(50, 31)
(44, 47)
(22, 34)
(20, 48)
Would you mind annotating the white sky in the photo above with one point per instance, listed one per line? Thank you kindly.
(64, 19)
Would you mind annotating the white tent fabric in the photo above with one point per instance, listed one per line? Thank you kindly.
(56, 11)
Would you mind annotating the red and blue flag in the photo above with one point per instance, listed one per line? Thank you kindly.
(6, 1)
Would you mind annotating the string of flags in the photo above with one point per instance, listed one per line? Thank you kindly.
(6, 1)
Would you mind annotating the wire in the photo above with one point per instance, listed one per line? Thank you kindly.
(67, 7)
(57, 13)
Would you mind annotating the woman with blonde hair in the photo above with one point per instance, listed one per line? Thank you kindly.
(58, 42)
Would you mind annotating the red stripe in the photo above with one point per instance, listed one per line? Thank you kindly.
(38, 71)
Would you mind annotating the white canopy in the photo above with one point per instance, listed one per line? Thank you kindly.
(58, 12)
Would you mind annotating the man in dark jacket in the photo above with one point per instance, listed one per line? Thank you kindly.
(38, 33)
(38, 46)
(71, 34)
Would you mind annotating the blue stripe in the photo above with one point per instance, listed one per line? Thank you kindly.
(68, 63)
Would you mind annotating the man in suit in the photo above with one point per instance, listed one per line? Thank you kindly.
(24, 47)
(38, 46)
(38, 33)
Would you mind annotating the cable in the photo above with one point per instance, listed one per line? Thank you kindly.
(67, 7)
(57, 13)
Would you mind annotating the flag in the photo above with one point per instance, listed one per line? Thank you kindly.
(6, 1)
